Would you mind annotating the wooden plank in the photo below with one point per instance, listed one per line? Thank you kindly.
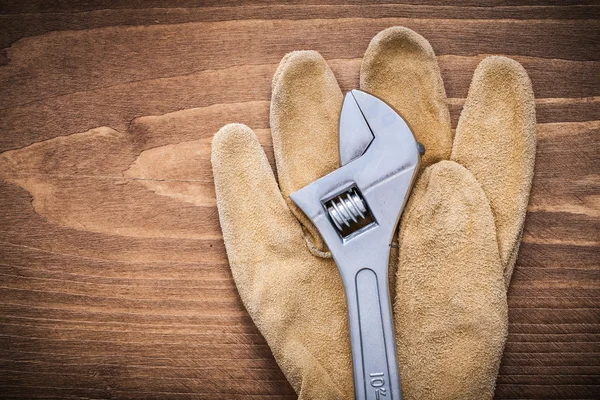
(40, 6)
(26, 24)
(113, 274)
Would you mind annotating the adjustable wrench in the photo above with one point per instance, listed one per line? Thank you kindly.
(356, 208)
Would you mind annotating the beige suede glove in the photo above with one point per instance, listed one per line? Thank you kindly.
(459, 235)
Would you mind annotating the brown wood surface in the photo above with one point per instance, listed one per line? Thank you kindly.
(114, 281)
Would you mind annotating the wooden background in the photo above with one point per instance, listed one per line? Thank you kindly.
(113, 277)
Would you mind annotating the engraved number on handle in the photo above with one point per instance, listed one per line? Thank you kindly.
(377, 382)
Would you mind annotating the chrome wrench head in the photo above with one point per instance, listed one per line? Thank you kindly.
(356, 208)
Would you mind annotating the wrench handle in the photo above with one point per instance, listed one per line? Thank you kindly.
(376, 375)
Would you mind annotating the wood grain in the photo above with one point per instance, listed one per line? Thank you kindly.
(114, 281)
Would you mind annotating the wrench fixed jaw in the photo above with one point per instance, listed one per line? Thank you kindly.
(376, 183)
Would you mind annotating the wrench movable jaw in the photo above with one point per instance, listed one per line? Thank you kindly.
(380, 160)
(355, 134)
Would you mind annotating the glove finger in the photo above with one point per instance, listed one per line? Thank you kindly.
(296, 300)
(400, 67)
(450, 309)
(254, 218)
(305, 107)
(496, 140)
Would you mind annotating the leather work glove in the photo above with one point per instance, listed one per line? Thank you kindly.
(459, 234)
